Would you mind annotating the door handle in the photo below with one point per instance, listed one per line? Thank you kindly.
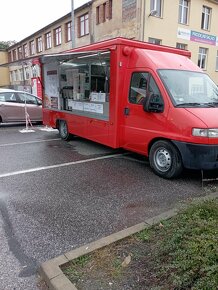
(126, 111)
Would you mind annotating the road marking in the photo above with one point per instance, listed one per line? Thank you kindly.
(48, 129)
(58, 165)
(29, 142)
(27, 131)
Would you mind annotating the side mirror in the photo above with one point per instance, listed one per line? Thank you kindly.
(153, 103)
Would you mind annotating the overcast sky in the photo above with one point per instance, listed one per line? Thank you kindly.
(21, 18)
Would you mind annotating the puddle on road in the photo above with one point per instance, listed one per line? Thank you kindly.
(3, 195)
(83, 147)
(89, 148)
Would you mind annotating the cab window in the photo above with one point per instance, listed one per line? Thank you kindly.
(142, 85)
(138, 87)
(153, 88)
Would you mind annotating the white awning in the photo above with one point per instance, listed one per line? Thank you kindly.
(73, 56)
(48, 58)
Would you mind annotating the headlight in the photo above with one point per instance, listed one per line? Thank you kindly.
(210, 133)
(213, 133)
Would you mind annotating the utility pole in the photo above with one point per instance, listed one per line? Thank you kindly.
(73, 26)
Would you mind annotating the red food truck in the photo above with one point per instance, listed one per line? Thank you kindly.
(145, 98)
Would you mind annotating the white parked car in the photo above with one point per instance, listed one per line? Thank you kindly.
(15, 104)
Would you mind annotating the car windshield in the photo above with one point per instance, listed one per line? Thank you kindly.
(190, 89)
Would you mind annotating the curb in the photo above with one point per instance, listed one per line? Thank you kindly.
(56, 280)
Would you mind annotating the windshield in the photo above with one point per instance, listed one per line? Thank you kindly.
(190, 89)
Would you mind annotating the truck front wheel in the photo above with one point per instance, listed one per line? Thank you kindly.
(63, 130)
(165, 159)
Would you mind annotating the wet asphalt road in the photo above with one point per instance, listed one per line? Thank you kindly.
(57, 195)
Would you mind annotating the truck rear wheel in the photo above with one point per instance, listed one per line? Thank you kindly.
(63, 130)
(165, 159)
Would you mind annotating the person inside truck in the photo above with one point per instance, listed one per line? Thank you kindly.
(140, 98)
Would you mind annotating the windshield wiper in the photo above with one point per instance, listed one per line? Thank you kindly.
(209, 105)
(213, 104)
(191, 105)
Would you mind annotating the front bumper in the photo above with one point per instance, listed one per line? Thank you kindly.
(198, 156)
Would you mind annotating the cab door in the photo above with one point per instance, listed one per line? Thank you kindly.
(140, 127)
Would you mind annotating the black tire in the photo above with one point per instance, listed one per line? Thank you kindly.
(63, 130)
(165, 159)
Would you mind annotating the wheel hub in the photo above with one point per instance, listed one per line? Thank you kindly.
(163, 159)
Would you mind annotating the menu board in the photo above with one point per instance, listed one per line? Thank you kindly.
(51, 85)
(86, 106)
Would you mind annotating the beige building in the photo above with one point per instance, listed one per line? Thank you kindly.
(4, 71)
(186, 24)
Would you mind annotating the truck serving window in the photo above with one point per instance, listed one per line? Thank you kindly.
(190, 89)
(78, 83)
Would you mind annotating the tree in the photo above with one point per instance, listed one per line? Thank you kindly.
(6, 44)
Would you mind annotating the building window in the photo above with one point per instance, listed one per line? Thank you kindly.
(25, 51)
(181, 45)
(10, 56)
(97, 15)
(11, 76)
(21, 74)
(39, 44)
(205, 19)
(14, 54)
(27, 73)
(35, 71)
(17, 75)
(217, 60)
(32, 47)
(202, 57)
(68, 31)
(83, 25)
(156, 6)
(154, 40)
(104, 12)
(183, 11)
(110, 10)
(48, 40)
(20, 52)
(57, 36)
